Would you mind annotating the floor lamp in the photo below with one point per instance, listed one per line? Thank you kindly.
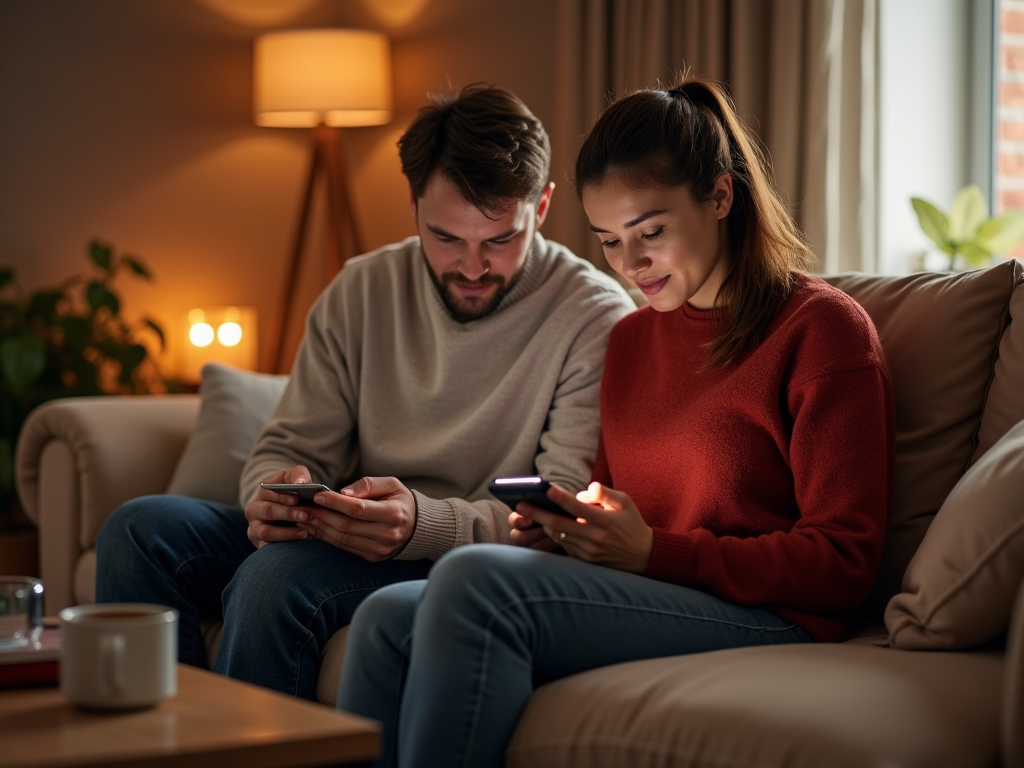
(324, 79)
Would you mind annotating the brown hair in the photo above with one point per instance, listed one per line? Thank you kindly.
(689, 136)
(484, 141)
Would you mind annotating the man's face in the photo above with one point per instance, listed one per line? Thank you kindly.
(473, 258)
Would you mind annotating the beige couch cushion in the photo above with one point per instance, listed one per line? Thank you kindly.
(804, 706)
(1005, 404)
(235, 406)
(960, 587)
(940, 334)
(330, 667)
(85, 578)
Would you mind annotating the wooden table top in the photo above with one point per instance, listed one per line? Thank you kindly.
(213, 721)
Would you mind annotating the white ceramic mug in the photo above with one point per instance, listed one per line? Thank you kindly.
(118, 655)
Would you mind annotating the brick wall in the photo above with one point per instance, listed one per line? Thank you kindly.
(1009, 170)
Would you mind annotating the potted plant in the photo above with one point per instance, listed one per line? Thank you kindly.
(64, 341)
(968, 236)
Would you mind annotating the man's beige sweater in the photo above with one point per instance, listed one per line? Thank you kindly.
(386, 383)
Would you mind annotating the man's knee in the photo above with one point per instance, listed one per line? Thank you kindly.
(266, 586)
(135, 520)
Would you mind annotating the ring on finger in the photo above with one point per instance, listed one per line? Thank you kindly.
(561, 536)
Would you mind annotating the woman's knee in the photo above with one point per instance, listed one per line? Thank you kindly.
(479, 576)
(386, 615)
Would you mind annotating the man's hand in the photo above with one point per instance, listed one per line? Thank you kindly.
(608, 529)
(373, 517)
(275, 516)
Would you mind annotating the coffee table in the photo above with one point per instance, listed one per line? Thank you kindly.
(213, 721)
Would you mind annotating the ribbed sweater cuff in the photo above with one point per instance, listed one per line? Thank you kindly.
(435, 531)
(673, 559)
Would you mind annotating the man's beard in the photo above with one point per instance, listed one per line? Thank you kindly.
(472, 308)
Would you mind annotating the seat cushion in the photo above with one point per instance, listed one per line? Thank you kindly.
(85, 577)
(810, 706)
(941, 336)
(330, 668)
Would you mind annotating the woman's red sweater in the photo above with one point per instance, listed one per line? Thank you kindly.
(767, 482)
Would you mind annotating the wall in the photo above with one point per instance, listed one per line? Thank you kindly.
(131, 121)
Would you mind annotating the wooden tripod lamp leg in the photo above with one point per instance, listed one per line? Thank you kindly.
(327, 155)
(276, 352)
(345, 229)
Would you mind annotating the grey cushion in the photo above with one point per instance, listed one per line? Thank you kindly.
(235, 406)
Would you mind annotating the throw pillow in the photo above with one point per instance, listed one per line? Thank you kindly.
(940, 334)
(235, 406)
(959, 588)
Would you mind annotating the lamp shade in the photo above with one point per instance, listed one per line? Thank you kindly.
(304, 77)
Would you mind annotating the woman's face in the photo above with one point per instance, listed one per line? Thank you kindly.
(673, 249)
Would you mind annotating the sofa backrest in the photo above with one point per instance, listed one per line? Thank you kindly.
(953, 363)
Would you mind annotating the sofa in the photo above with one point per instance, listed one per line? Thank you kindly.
(932, 674)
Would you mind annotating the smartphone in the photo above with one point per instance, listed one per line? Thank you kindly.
(532, 489)
(305, 491)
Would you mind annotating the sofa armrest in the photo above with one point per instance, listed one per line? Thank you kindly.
(1011, 733)
(79, 458)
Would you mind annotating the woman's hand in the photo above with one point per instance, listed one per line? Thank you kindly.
(526, 533)
(608, 529)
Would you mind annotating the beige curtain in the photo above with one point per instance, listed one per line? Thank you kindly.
(801, 72)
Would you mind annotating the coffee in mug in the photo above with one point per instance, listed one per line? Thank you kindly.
(118, 655)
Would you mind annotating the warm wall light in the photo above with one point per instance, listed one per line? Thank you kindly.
(222, 335)
(324, 79)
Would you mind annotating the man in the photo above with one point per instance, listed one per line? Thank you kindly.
(428, 368)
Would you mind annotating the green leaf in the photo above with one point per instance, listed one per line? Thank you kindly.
(131, 358)
(22, 361)
(976, 255)
(6, 276)
(6, 465)
(100, 296)
(100, 253)
(157, 330)
(933, 223)
(1001, 234)
(137, 267)
(968, 212)
(77, 334)
(43, 304)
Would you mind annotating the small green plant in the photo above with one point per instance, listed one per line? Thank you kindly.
(967, 231)
(66, 341)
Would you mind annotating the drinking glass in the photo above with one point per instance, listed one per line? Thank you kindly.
(21, 610)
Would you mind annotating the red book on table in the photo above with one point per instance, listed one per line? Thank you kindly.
(34, 664)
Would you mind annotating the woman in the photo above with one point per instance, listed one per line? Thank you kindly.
(741, 486)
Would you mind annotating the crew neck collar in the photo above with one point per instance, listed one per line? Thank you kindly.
(693, 313)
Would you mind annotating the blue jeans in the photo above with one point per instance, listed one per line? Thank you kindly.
(448, 664)
(280, 603)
